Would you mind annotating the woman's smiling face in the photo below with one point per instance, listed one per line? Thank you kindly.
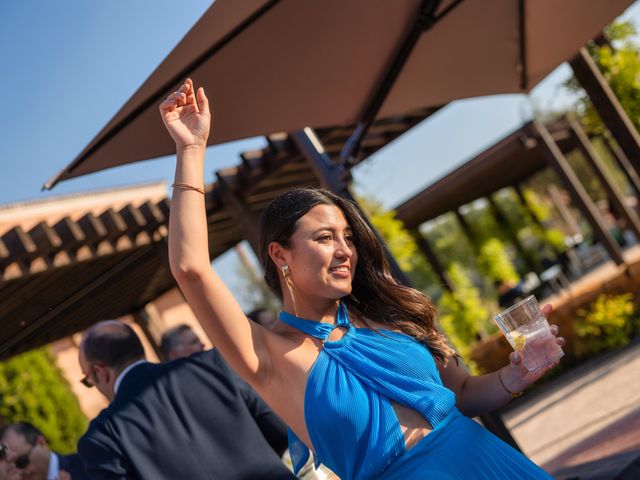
(322, 258)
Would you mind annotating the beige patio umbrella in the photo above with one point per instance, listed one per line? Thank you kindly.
(281, 65)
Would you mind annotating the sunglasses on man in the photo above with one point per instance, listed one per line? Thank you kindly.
(22, 461)
(3, 451)
(86, 381)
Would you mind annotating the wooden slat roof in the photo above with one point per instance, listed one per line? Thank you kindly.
(58, 278)
(511, 160)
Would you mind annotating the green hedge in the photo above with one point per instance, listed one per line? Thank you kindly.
(33, 389)
(609, 322)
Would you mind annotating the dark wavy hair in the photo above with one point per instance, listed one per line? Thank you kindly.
(376, 295)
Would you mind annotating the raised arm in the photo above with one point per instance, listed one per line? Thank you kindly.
(476, 395)
(187, 117)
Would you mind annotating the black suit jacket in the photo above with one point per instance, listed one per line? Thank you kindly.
(73, 465)
(189, 419)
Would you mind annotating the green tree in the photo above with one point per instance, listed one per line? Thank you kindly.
(402, 246)
(549, 234)
(33, 389)
(462, 314)
(495, 263)
(619, 63)
(449, 241)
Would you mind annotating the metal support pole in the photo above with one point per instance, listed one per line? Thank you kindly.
(424, 20)
(335, 177)
(607, 105)
(432, 258)
(592, 157)
(559, 163)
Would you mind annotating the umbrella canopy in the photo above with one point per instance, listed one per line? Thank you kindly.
(281, 65)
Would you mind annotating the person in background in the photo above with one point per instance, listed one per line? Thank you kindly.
(190, 418)
(180, 341)
(356, 366)
(34, 459)
(509, 292)
(8, 470)
(264, 317)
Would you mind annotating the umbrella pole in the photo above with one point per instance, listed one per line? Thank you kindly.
(424, 21)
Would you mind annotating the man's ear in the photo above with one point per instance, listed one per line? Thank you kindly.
(41, 441)
(102, 371)
(278, 254)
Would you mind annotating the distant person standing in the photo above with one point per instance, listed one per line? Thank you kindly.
(180, 341)
(264, 317)
(191, 418)
(35, 461)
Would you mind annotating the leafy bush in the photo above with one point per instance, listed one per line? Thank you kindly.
(32, 389)
(462, 315)
(608, 323)
(556, 238)
(402, 246)
(494, 262)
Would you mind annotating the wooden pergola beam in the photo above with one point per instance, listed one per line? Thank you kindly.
(623, 162)
(559, 163)
(466, 229)
(607, 105)
(245, 219)
(593, 159)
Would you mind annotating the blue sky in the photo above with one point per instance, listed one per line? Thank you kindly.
(69, 65)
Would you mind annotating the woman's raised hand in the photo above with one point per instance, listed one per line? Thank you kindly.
(186, 115)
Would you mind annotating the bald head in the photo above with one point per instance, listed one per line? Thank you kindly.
(111, 343)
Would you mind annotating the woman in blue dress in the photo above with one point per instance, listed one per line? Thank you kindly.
(356, 366)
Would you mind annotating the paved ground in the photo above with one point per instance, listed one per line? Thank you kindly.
(586, 424)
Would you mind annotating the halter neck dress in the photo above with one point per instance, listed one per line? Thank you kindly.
(354, 429)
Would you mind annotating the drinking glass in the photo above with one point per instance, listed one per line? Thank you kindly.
(528, 332)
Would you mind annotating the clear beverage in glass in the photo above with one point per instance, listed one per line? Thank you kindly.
(528, 332)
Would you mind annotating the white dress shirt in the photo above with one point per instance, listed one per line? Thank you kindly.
(54, 466)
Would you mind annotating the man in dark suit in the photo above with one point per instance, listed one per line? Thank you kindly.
(35, 460)
(191, 418)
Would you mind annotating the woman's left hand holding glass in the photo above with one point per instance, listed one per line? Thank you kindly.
(515, 377)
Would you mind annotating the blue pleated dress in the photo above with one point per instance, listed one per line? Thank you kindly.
(354, 429)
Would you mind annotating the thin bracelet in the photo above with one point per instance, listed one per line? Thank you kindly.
(513, 394)
(186, 186)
